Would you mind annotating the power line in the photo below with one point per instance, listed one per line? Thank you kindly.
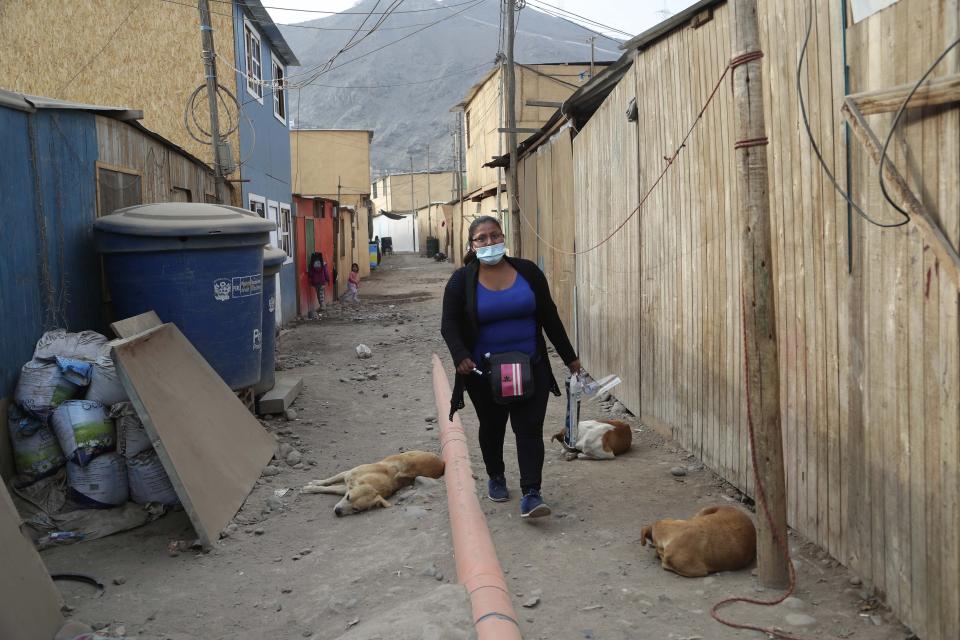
(472, 4)
(292, 25)
(401, 84)
(350, 13)
(813, 143)
(537, 4)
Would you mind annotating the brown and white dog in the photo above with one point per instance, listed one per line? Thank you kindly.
(369, 485)
(598, 440)
(716, 539)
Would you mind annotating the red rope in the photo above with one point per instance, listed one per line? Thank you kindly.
(750, 56)
(762, 501)
(750, 142)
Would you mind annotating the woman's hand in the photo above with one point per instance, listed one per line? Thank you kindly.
(466, 366)
(575, 366)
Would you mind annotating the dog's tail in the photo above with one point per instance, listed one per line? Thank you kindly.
(646, 534)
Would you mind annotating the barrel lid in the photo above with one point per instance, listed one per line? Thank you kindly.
(183, 219)
(273, 256)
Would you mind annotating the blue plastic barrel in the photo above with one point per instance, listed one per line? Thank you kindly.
(198, 266)
(273, 259)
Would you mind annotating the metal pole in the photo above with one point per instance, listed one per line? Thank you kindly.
(762, 375)
(513, 189)
(413, 207)
(593, 42)
(460, 238)
(210, 71)
(429, 198)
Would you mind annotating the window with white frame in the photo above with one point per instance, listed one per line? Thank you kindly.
(251, 42)
(286, 226)
(279, 98)
(258, 205)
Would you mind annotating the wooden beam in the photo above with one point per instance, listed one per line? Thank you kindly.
(544, 103)
(518, 130)
(939, 91)
(935, 237)
(761, 357)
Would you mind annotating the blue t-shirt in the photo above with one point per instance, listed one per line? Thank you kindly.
(507, 320)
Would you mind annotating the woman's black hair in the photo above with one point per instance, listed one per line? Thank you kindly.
(471, 255)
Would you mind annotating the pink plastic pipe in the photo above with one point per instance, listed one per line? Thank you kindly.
(478, 569)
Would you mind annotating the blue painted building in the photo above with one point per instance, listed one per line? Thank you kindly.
(262, 58)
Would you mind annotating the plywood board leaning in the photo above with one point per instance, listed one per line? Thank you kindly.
(212, 448)
(31, 602)
(129, 327)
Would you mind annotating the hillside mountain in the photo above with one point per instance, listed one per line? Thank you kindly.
(404, 92)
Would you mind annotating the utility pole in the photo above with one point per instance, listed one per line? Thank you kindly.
(511, 86)
(413, 206)
(593, 47)
(429, 198)
(762, 375)
(459, 178)
(210, 71)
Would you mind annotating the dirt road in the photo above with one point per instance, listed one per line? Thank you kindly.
(290, 569)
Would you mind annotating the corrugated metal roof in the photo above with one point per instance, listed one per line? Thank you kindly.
(266, 24)
(28, 103)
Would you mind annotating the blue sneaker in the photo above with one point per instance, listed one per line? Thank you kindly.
(532, 505)
(497, 489)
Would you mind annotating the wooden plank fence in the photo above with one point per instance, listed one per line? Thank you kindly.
(867, 318)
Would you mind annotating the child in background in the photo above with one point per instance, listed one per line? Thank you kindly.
(319, 278)
(353, 284)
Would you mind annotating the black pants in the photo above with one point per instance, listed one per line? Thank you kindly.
(526, 419)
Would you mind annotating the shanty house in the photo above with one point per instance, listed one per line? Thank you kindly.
(65, 164)
(118, 52)
(334, 164)
(483, 118)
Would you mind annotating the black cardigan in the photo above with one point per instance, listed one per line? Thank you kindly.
(459, 324)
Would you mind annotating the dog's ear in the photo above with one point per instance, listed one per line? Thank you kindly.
(558, 436)
(646, 534)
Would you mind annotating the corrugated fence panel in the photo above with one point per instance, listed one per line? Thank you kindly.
(608, 278)
(47, 204)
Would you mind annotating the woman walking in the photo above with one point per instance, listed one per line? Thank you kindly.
(495, 312)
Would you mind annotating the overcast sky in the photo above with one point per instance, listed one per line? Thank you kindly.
(632, 16)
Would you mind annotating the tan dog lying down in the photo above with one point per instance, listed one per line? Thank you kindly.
(368, 485)
(716, 539)
(599, 440)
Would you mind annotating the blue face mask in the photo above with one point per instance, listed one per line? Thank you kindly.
(492, 254)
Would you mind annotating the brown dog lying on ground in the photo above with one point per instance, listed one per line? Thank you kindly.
(368, 485)
(716, 539)
(598, 440)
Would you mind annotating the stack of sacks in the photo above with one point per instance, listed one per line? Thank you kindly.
(145, 474)
(50, 427)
